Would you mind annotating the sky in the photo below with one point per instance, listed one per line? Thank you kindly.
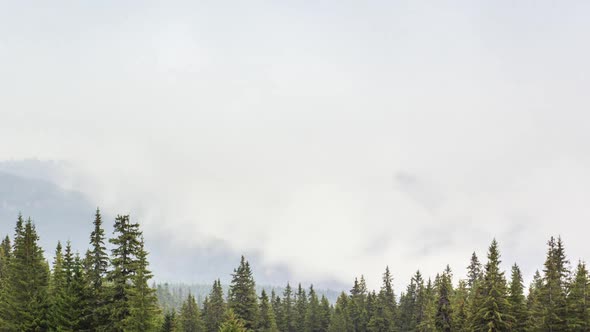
(329, 137)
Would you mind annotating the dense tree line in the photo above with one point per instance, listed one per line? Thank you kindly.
(108, 291)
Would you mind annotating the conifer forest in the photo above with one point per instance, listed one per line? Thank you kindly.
(101, 290)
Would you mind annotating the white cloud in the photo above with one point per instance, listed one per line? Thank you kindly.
(333, 140)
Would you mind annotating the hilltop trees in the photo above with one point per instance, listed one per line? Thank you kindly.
(242, 295)
(103, 292)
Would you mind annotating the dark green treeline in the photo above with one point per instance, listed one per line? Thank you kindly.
(108, 291)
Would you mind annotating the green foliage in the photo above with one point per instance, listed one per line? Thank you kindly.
(189, 319)
(554, 290)
(242, 295)
(492, 311)
(444, 310)
(267, 322)
(232, 323)
(25, 298)
(517, 300)
(214, 308)
(578, 306)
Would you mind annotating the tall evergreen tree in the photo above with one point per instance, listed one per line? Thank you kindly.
(474, 271)
(214, 312)
(189, 319)
(124, 264)
(289, 311)
(427, 321)
(312, 319)
(169, 323)
(97, 261)
(357, 308)
(384, 310)
(277, 308)
(444, 310)
(460, 307)
(340, 319)
(534, 306)
(143, 305)
(242, 295)
(232, 323)
(492, 314)
(300, 309)
(578, 308)
(325, 314)
(554, 290)
(267, 322)
(25, 301)
(517, 300)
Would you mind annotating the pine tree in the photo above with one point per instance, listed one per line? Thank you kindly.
(340, 319)
(534, 306)
(459, 304)
(232, 323)
(57, 317)
(517, 300)
(143, 305)
(189, 319)
(358, 310)
(277, 308)
(384, 310)
(123, 261)
(312, 319)
(578, 308)
(5, 253)
(473, 271)
(427, 321)
(407, 319)
(242, 295)
(289, 311)
(492, 313)
(97, 261)
(553, 292)
(214, 312)
(25, 303)
(169, 323)
(300, 309)
(267, 322)
(325, 314)
(444, 310)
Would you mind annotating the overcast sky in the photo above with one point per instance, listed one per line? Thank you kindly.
(332, 137)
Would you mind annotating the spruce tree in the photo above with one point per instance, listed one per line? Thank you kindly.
(578, 308)
(325, 314)
(517, 300)
(492, 313)
(289, 312)
(242, 295)
(25, 303)
(214, 312)
(169, 323)
(534, 306)
(340, 319)
(232, 323)
(189, 319)
(312, 319)
(460, 307)
(267, 322)
(473, 271)
(553, 292)
(58, 314)
(427, 318)
(97, 261)
(124, 263)
(142, 301)
(277, 308)
(384, 309)
(300, 309)
(357, 308)
(444, 310)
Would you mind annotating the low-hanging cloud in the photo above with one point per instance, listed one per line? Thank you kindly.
(333, 142)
